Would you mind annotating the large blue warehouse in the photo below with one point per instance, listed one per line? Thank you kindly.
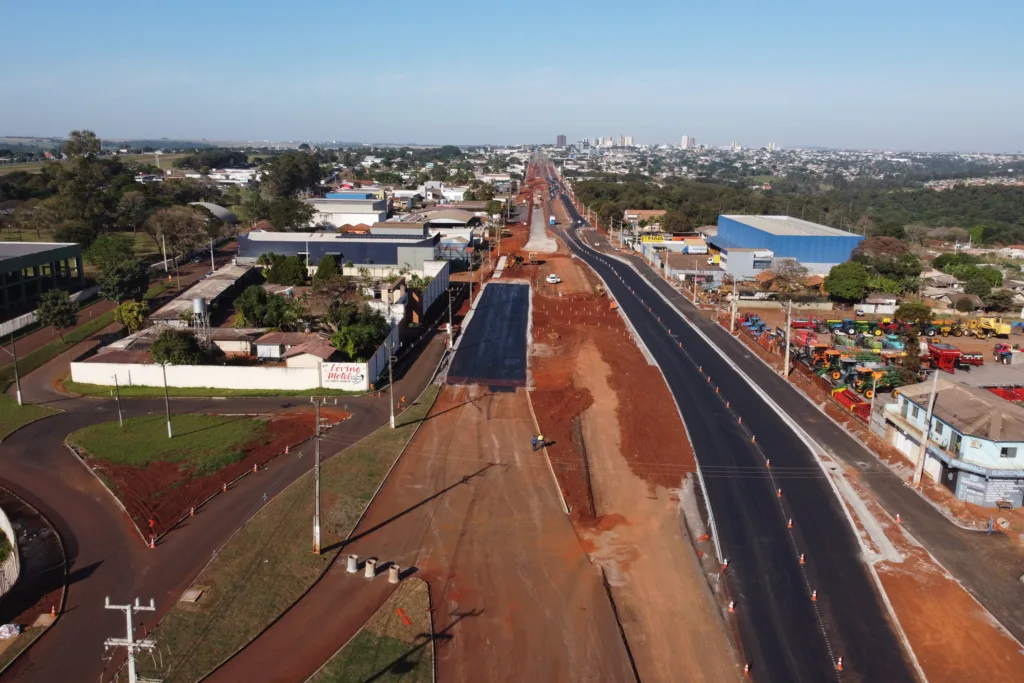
(816, 247)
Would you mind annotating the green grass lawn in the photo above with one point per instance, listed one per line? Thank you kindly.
(36, 166)
(97, 390)
(386, 649)
(202, 444)
(269, 563)
(44, 354)
(13, 416)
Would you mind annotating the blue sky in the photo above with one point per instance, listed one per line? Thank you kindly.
(900, 74)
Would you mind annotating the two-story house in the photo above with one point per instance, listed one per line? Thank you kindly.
(975, 440)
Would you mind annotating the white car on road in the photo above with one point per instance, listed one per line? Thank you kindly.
(553, 279)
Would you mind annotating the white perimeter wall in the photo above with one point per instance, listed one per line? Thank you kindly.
(11, 567)
(327, 375)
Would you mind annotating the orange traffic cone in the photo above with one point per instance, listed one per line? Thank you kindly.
(767, 462)
(802, 559)
(746, 671)
(839, 664)
(224, 488)
(732, 607)
(53, 611)
(779, 493)
(255, 468)
(898, 520)
(152, 542)
(192, 512)
(814, 596)
(789, 524)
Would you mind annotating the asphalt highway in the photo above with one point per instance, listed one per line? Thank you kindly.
(785, 635)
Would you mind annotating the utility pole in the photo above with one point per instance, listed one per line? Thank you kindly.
(163, 243)
(451, 323)
(129, 642)
(213, 264)
(789, 321)
(117, 397)
(732, 318)
(391, 381)
(922, 454)
(317, 401)
(167, 402)
(17, 378)
(874, 390)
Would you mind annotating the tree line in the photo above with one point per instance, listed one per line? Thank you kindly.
(990, 214)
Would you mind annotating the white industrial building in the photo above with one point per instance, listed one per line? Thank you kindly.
(338, 212)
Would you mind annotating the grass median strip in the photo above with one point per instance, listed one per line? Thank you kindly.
(13, 416)
(44, 354)
(387, 648)
(269, 563)
(97, 390)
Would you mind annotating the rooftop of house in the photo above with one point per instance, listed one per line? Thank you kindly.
(972, 411)
(287, 338)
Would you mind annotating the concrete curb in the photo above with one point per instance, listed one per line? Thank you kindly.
(700, 475)
(547, 458)
(117, 500)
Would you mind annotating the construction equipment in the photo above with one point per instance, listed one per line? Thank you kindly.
(845, 397)
(994, 327)
(803, 337)
(868, 381)
(893, 341)
(943, 356)
(969, 358)
(971, 328)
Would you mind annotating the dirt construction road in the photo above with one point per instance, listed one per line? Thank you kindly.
(476, 513)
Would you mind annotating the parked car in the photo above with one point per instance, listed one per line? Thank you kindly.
(553, 279)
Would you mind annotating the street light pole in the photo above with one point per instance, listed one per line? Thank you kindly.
(451, 333)
(316, 477)
(117, 397)
(391, 382)
(874, 391)
(167, 402)
(17, 378)
(789, 321)
(923, 453)
(213, 264)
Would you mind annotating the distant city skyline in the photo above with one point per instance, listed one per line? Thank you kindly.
(789, 72)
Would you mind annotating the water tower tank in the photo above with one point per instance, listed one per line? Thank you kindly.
(199, 307)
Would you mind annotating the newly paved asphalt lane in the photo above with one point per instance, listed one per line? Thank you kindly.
(785, 636)
(493, 346)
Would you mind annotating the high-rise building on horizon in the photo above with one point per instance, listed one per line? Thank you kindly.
(608, 142)
(629, 141)
(622, 141)
(560, 141)
(688, 142)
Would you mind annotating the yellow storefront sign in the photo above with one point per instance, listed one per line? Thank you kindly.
(653, 238)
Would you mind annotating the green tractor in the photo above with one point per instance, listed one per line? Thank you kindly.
(868, 381)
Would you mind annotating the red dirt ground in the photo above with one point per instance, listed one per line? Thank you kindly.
(652, 439)
(160, 493)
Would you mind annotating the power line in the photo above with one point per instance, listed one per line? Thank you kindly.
(129, 642)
